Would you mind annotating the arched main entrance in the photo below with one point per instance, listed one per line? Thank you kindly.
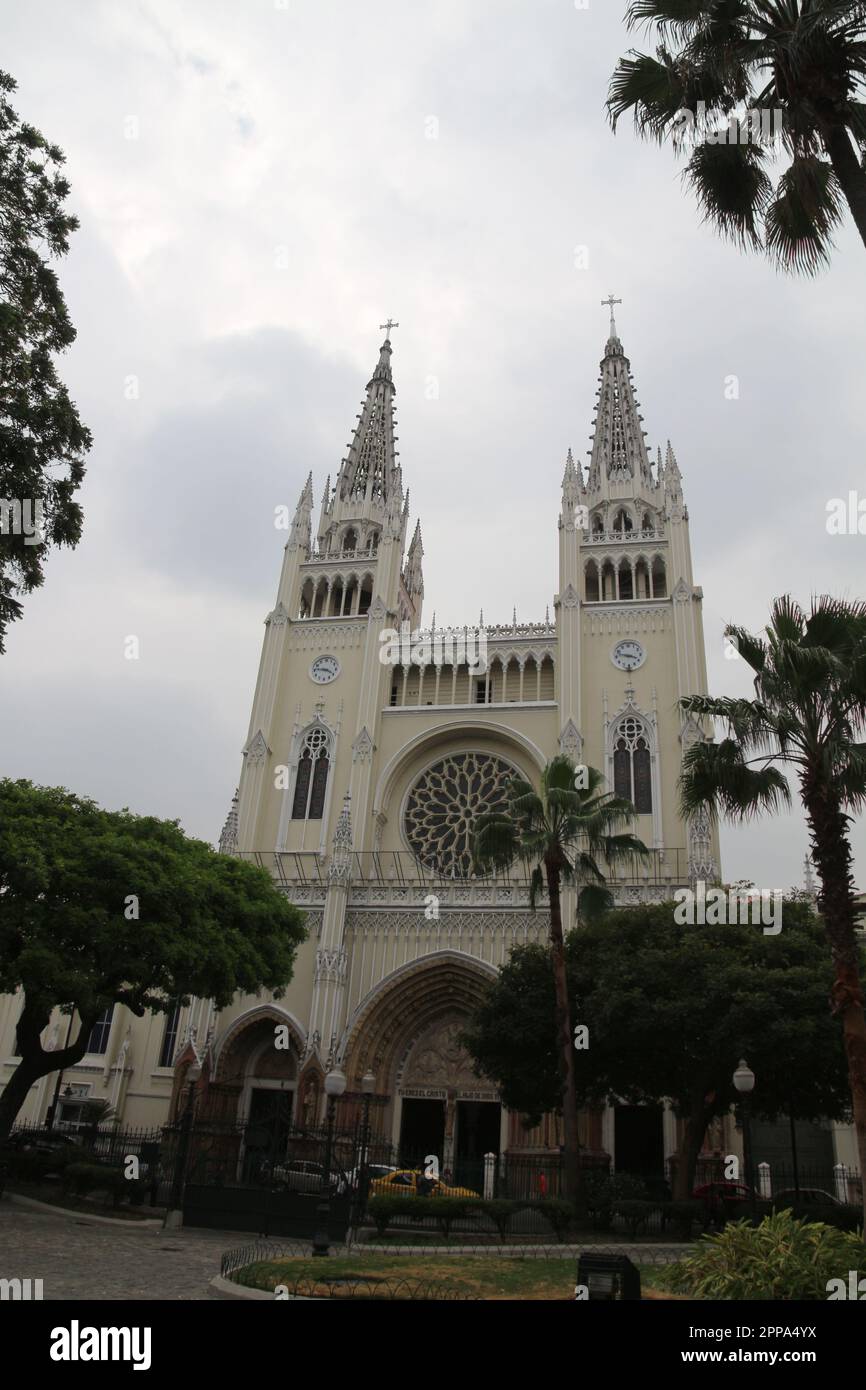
(407, 1034)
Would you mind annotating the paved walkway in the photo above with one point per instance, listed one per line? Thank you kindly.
(75, 1260)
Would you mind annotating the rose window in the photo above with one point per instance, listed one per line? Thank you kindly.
(446, 801)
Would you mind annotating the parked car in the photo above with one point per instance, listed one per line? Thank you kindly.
(303, 1175)
(44, 1141)
(722, 1199)
(411, 1182)
(723, 1191)
(807, 1197)
(349, 1181)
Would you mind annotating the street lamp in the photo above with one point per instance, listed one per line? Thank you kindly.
(335, 1085)
(368, 1086)
(744, 1083)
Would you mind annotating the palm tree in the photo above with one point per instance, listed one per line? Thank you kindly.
(559, 834)
(803, 58)
(808, 714)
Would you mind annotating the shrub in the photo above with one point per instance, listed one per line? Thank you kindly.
(447, 1210)
(635, 1212)
(500, 1211)
(602, 1190)
(382, 1209)
(29, 1165)
(683, 1214)
(558, 1212)
(83, 1178)
(782, 1258)
(444, 1211)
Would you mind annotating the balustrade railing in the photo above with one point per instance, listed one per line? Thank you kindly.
(400, 868)
(608, 537)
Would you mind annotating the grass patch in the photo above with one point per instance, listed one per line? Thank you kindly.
(477, 1276)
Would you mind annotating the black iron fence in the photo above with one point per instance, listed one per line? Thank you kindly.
(268, 1176)
(38, 1154)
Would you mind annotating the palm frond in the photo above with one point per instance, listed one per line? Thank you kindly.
(800, 217)
(849, 777)
(677, 18)
(593, 901)
(716, 779)
(617, 847)
(752, 649)
(787, 619)
(732, 189)
(536, 885)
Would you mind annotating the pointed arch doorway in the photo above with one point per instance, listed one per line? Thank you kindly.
(408, 1035)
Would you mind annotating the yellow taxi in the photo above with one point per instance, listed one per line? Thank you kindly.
(405, 1183)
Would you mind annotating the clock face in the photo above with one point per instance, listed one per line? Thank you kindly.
(628, 655)
(324, 669)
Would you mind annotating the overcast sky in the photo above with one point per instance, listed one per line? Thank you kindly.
(260, 185)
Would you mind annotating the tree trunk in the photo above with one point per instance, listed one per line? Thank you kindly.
(849, 171)
(15, 1094)
(573, 1185)
(689, 1147)
(832, 853)
(35, 1062)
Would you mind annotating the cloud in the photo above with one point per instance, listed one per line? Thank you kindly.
(260, 186)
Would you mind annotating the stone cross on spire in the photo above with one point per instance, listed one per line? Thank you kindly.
(388, 326)
(610, 301)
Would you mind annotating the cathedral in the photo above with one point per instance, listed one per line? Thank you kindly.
(373, 744)
(368, 759)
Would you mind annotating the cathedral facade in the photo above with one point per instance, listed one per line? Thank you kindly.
(374, 742)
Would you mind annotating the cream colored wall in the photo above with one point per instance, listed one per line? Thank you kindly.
(134, 1083)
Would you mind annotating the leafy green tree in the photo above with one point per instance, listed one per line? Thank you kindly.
(804, 58)
(42, 440)
(809, 715)
(670, 1009)
(560, 834)
(104, 907)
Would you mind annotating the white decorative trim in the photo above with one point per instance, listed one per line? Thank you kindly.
(570, 741)
(362, 748)
(377, 608)
(278, 617)
(257, 750)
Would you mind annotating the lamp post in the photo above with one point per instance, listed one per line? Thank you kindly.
(173, 1219)
(744, 1083)
(51, 1113)
(335, 1085)
(368, 1086)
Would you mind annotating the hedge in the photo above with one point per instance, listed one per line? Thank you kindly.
(383, 1209)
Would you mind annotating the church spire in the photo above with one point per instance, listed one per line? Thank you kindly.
(300, 532)
(572, 488)
(413, 577)
(229, 833)
(370, 471)
(618, 453)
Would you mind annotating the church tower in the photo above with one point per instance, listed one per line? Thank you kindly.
(630, 628)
